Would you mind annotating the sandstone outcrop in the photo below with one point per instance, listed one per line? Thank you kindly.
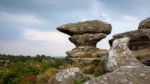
(120, 55)
(85, 36)
(139, 42)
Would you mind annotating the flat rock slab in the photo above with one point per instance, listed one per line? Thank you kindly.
(92, 26)
(125, 75)
(136, 35)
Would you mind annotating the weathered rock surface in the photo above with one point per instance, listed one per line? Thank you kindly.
(67, 76)
(87, 39)
(139, 43)
(120, 55)
(145, 24)
(93, 26)
(87, 52)
(125, 75)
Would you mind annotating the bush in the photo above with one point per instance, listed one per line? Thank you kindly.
(86, 78)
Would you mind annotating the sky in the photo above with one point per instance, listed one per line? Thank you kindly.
(28, 27)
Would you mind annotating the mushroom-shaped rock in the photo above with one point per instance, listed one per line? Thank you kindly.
(92, 26)
(85, 36)
(145, 24)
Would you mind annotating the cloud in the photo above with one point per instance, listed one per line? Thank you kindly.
(11, 18)
(124, 24)
(45, 36)
(32, 48)
(35, 41)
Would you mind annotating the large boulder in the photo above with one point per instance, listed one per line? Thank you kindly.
(145, 24)
(124, 75)
(120, 55)
(92, 26)
(67, 76)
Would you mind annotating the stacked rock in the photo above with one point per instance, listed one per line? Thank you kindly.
(85, 36)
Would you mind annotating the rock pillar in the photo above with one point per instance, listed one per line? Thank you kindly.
(85, 36)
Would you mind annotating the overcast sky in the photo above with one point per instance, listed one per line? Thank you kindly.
(28, 27)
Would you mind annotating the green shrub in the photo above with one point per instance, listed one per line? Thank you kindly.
(86, 78)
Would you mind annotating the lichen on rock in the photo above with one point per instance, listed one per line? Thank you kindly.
(121, 55)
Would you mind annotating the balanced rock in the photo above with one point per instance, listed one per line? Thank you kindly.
(145, 24)
(85, 36)
(67, 76)
(93, 26)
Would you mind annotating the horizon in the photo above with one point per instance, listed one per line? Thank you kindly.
(29, 27)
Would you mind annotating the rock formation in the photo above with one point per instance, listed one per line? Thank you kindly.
(124, 67)
(85, 36)
(139, 42)
(122, 63)
(120, 55)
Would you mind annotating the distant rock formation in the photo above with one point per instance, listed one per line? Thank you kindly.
(5, 63)
(85, 36)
